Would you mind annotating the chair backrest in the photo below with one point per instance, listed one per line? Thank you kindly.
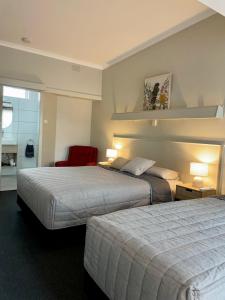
(81, 155)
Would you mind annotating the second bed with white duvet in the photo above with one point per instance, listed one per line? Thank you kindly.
(171, 251)
(64, 197)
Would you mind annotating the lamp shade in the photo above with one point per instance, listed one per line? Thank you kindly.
(111, 153)
(198, 169)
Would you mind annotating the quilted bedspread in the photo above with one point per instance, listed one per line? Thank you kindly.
(63, 197)
(170, 251)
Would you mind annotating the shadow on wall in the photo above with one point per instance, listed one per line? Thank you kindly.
(134, 105)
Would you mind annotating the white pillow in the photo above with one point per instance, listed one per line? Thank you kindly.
(138, 165)
(163, 173)
(119, 162)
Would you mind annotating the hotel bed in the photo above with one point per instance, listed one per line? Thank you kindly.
(165, 252)
(64, 197)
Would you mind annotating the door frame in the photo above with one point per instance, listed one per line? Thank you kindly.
(16, 85)
(1, 104)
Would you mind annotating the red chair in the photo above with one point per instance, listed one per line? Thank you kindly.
(80, 156)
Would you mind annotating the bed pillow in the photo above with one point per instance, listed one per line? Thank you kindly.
(163, 173)
(119, 162)
(138, 165)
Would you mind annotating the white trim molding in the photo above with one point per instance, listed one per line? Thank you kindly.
(73, 94)
(194, 20)
(37, 86)
(217, 5)
(50, 54)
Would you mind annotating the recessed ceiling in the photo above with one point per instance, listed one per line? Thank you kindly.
(92, 32)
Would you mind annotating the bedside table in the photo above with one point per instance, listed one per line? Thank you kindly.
(185, 192)
(104, 164)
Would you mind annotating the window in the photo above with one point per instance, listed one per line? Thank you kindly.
(15, 92)
(7, 114)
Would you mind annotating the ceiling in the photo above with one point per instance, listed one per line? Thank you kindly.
(95, 33)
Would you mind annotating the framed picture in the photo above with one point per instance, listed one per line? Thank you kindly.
(157, 92)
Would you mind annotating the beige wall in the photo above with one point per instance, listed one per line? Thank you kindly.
(53, 75)
(73, 124)
(65, 121)
(196, 58)
(47, 129)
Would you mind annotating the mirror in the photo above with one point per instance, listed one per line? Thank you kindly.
(7, 114)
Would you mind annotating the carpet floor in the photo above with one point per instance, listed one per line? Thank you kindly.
(40, 265)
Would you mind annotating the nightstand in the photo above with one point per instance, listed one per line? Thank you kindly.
(104, 164)
(185, 192)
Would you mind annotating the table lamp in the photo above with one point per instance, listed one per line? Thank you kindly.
(111, 154)
(198, 170)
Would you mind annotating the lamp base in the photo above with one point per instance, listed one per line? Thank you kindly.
(198, 182)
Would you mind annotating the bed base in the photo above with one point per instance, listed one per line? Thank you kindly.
(31, 217)
(23, 205)
(91, 288)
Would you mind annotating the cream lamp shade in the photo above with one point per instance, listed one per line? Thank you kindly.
(198, 170)
(111, 154)
(118, 146)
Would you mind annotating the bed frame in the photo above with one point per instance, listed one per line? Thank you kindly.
(92, 290)
(23, 205)
(80, 229)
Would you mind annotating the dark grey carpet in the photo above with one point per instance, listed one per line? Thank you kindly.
(35, 264)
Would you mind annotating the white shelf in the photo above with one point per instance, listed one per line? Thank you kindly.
(204, 112)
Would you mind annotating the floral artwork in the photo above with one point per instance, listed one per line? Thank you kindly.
(157, 92)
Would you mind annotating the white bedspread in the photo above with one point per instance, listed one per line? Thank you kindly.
(172, 251)
(62, 197)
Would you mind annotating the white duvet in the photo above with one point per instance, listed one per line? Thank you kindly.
(63, 197)
(172, 251)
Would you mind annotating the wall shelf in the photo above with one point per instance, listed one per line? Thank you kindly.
(204, 112)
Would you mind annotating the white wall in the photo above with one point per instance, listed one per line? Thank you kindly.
(195, 57)
(54, 77)
(25, 126)
(51, 75)
(73, 124)
(47, 129)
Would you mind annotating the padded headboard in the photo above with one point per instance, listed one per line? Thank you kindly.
(176, 154)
